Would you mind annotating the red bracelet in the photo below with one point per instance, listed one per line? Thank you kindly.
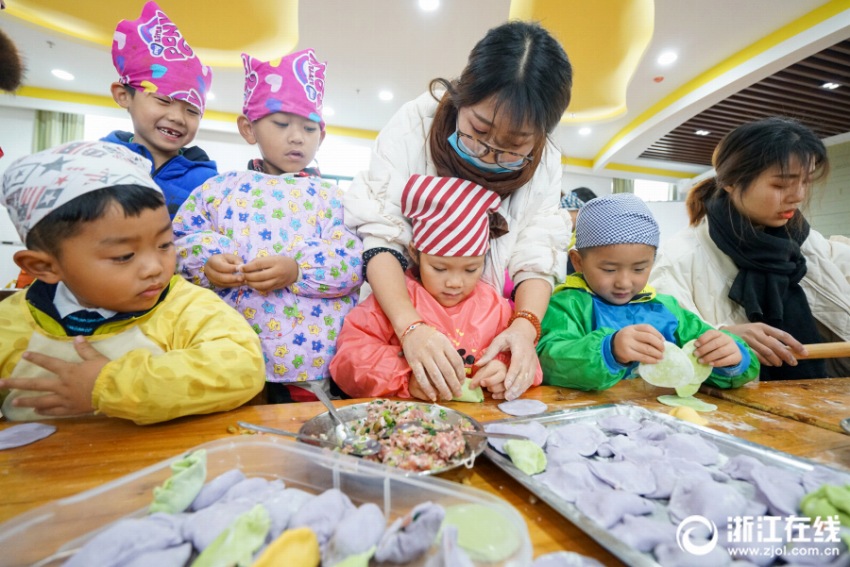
(531, 318)
(410, 329)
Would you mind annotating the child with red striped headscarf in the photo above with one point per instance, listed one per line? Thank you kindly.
(450, 219)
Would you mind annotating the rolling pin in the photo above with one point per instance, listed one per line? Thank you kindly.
(827, 350)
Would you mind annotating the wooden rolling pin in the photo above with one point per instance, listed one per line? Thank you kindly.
(827, 350)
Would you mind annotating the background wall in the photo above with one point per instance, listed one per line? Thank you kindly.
(16, 141)
(829, 208)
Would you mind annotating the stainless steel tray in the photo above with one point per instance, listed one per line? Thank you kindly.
(728, 445)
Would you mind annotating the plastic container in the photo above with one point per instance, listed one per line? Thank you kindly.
(66, 524)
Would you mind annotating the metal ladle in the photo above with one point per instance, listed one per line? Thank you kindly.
(343, 431)
(353, 449)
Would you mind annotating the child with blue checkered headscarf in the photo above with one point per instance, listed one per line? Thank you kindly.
(604, 320)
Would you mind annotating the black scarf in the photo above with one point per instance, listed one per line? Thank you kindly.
(770, 267)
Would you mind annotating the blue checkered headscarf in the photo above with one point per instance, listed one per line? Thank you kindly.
(622, 218)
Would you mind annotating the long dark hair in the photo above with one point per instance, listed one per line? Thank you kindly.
(524, 68)
(748, 150)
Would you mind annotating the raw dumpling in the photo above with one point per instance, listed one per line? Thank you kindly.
(408, 538)
(359, 531)
(624, 475)
(565, 559)
(644, 533)
(608, 507)
(533, 430)
(322, 514)
(580, 438)
(125, 540)
(570, 479)
(215, 489)
(179, 490)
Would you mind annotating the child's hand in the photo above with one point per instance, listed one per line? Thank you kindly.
(222, 270)
(67, 394)
(638, 343)
(270, 272)
(717, 349)
(416, 390)
(491, 376)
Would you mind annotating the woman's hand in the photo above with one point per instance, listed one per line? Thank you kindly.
(518, 339)
(717, 349)
(436, 365)
(222, 270)
(638, 343)
(772, 346)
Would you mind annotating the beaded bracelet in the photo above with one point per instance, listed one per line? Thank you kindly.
(531, 318)
(372, 252)
(410, 329)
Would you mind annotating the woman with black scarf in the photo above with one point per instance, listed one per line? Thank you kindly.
(751, 264)
(489, 126)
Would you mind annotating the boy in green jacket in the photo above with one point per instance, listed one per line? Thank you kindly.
(604, 320)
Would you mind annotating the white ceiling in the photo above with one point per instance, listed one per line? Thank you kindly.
(371, 45)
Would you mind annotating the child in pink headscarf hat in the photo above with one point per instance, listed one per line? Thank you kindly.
(450, 223)
(164, 87)
(271, 240)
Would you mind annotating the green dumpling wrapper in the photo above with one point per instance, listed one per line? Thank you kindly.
(527, 456)
(467, 395)
(179, 491)
(237, 544)
(358, 559)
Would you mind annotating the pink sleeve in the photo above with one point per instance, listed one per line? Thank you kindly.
(366, 363)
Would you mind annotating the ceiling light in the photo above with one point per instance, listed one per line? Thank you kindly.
(702, 132)
(585, 131)
(667, 58)
(210, 95)
(64, 75)
(385, 95)
(429, 5)
(830, 86)
(328, 111)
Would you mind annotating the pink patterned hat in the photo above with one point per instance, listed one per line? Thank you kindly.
(450, 216)
(151, 55)
(294, 84)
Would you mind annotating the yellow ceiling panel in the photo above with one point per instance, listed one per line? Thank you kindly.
(604, 39)
(218, 31)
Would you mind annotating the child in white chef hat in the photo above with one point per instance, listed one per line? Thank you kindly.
(107, 327)
(604, 320)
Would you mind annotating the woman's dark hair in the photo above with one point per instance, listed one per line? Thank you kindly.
(584, 193)
(748, 150)
(524, 67)
(66, 221)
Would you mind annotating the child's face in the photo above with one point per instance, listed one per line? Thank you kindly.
(450, 279)
(164, 126)
(615, 273)
(288, 142)
(121, 263)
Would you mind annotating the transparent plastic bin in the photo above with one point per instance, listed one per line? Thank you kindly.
(68, 523)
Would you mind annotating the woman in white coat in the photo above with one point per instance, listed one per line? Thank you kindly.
(490, 126)
(750, 262)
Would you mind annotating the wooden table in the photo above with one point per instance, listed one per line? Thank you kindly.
(823, 403)
(85, 453)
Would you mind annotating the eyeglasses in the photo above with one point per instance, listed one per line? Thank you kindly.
(473, 147)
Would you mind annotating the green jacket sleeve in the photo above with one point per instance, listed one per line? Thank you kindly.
(570, 352)
(692, 327)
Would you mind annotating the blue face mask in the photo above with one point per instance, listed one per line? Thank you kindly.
(482, 165)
